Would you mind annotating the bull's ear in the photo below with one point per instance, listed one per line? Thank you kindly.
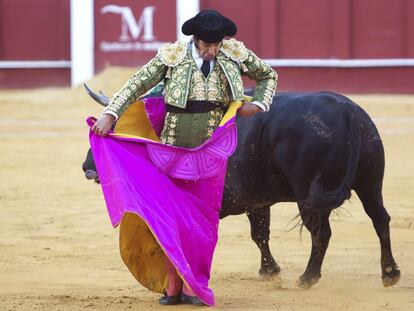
(100, 98)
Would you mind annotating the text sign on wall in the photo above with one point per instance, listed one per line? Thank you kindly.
(129, 33)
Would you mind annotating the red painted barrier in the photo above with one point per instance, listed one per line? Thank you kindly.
(33, 31)
(325, 29)
(128, 33)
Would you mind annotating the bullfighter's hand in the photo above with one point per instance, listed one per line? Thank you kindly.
(103, 125)
(249, 109)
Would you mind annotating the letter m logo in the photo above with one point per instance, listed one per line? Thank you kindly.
(130, 24)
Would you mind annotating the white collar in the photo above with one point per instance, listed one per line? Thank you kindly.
(197, 58)
(194, 51)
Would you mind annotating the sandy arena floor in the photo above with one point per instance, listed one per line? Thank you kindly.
(58, 250)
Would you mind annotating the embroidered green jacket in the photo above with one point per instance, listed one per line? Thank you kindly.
(174, 64)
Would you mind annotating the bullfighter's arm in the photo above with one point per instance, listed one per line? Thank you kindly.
(142, 81)
(265, 77)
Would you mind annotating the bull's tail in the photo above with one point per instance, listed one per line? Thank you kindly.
(329, 200)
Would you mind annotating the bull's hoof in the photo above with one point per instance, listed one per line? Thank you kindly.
(307, 282)
(391, 276)
(90, 174)
(269, 272)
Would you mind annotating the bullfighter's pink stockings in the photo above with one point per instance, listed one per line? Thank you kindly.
(175, 283)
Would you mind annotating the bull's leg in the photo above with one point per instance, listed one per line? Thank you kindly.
(373, 206)
(317, 222)
(260, 232)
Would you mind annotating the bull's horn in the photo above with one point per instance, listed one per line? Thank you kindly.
(100, 98)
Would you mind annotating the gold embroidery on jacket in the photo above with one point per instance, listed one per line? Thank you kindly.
(213, 88)
(175, 65)
(170, 131)
(142, 81)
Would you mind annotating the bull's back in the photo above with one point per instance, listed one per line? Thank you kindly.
(304, 137)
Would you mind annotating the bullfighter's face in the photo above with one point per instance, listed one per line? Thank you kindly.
(207, 51)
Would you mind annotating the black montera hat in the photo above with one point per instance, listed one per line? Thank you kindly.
(209, 26)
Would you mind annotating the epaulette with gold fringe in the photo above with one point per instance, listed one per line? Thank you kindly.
(235, 50)
(173, 53)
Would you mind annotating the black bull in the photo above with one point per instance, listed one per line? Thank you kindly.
(311, 149)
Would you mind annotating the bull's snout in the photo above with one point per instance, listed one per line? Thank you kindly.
(90, 174)
(89, 168)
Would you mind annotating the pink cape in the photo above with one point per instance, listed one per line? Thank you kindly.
(176, 194)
